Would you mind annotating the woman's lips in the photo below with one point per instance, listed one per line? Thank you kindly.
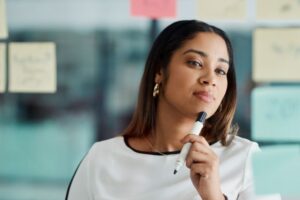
(204, 96)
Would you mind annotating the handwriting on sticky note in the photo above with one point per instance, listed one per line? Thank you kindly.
(32, 67)
(229, 9)
(278, 10)
(276, 55)
(276, 113)
(153, 8)
(2, 66)
(282, 162)
(3, 23)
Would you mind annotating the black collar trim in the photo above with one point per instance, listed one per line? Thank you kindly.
(154, 153)
(149, 152)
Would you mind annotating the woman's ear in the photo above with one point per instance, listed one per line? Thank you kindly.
(159, 77)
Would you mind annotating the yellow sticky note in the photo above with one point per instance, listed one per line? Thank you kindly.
(278, 10)
(32, 67)
(222, 10)
(2, 66)
(3, 23)
(276, 55)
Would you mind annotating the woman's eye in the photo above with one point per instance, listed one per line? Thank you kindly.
(194, 63)
(221, 72)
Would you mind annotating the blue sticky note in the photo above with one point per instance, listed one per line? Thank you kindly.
(276, 113)
(45, 151)
(277, 170)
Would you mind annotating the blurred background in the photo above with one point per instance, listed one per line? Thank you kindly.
(101, 51)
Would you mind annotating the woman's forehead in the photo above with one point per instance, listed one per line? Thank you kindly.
(207, 43)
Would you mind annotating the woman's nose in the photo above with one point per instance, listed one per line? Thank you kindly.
(207, 78)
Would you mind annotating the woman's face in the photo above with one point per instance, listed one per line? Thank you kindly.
(197, 76)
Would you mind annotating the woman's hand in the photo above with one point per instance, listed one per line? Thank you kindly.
(204, 166)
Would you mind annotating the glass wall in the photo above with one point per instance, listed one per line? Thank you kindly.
(101, 52)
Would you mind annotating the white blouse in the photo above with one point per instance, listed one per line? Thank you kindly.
(113, 170)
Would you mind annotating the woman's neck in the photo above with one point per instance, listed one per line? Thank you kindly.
(171, 126)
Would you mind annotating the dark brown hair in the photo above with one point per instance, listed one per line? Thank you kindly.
(218, 126)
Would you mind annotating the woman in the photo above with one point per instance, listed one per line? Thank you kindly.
(189, 69)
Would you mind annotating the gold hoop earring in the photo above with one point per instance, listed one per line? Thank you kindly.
(155, 90)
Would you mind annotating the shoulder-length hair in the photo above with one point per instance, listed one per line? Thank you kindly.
(218, 126)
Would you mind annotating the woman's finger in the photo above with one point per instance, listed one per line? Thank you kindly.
(200, 169)
(196, 157)
(194, 138)
(200, 147)
(201, 154)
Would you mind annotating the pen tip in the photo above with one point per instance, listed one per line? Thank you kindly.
(175, 171)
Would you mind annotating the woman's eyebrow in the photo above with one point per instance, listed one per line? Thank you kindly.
(223, 60)
(203, 54)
